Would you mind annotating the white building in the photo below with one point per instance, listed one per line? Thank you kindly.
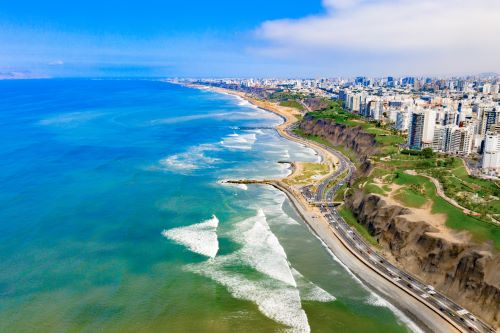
(429, 125)
(491, 152)
(402, 120)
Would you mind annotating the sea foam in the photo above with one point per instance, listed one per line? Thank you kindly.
(262, 250)
(239, 141)
(310, 291)
(275, 292)
(200, 238)
(277, 301)
(193, 159)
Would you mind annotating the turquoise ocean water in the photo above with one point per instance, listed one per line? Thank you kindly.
(113, 218)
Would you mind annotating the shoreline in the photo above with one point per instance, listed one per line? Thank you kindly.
(425, 316)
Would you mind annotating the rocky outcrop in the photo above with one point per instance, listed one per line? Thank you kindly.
(466, 272)
(353, 138)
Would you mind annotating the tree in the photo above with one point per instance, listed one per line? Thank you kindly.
(427, 153)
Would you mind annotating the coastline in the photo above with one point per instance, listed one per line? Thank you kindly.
(428, 318)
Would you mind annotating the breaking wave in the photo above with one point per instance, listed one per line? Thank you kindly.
(200, 238)
(262, 249)
(275, 293)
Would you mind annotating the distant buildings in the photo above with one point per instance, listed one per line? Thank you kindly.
(454, 115)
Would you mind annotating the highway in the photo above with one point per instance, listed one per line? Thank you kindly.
(462, 319)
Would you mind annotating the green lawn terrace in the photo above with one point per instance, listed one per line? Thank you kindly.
(475, 194)
(288, 99)
(415, 191)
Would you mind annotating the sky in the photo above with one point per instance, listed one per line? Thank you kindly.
(258, 38)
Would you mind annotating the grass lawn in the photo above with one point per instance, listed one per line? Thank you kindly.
(309, 173)
(351, 220)
(410, 198)
(372, 188)
(339, 196)
(480, 230)
(292, 104)
(375, 130)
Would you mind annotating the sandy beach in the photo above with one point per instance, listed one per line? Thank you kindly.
(427, 316)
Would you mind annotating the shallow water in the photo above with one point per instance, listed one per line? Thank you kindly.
(113, 218)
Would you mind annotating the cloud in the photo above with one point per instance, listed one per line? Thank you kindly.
(460, 35)
(56, 63)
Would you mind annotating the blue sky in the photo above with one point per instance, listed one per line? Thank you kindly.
(249, 38)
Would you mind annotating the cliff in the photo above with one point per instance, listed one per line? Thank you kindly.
(353, 138)
(466, 272)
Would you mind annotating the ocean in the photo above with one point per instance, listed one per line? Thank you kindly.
(114, 218)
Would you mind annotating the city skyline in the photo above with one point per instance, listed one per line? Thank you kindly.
(310, 39)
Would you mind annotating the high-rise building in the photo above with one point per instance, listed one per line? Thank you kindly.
(466, 140)
(451, 139)
(416, 130)
(494, 89)
(487, 88)
(402, 118)
(429, 125)
(437, 140)
(489, 118)
(390, 81)
(450, 118)
(491, 151)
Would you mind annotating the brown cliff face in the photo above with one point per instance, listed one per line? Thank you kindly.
(353, 138)
(466, 272)
(363, 144)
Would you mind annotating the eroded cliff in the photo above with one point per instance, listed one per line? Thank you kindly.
(361, 143)
(466, 272)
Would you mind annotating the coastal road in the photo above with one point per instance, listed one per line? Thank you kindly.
(462, 319)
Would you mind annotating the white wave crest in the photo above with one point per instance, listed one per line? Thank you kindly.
(200, 238)
(309, 291)
(275, 293)
(275, 300)
(262, 250)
